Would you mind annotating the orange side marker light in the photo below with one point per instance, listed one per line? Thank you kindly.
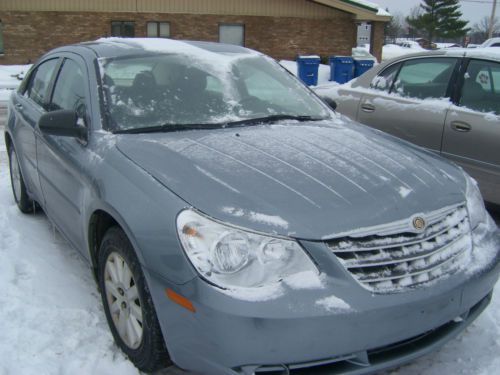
(180, 300)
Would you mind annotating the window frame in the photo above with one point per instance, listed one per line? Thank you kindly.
(158, 23)
(242, 25)
(388, 90)
(461, 78)
(122, 28)
(50, 87)
(64, 59)
(449, 93)
(2, 42)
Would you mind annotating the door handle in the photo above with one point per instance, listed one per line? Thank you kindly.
(460, 126)
(367, 107)
(19, 106)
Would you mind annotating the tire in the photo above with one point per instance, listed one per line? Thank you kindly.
(23, 201)
(127, 297)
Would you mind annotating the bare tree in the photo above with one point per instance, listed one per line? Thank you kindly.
(481, 28)
(396, 27)
(415, 12)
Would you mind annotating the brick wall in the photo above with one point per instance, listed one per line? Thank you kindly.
(27, 35)
(377, 39)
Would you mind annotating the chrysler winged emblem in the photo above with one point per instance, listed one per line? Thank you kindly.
(419, 223)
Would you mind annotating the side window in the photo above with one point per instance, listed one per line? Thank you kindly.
(425, 78)
(69, 90)
(481, 88)
(38, 86)
(384, 80)
(123, 29)
(232, 34)
(158, 29)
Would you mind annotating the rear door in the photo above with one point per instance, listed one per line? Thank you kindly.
(29, 104)
(472, 131)
(60, 159)
(411, 99)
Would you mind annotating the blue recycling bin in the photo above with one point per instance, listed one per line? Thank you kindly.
(341, 68)
(361, 66)
(308, 69)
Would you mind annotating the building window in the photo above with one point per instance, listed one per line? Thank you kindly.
(232, 34)
(158, 29)
(1, 38)
(123, 28)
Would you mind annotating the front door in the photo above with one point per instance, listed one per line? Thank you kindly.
(59, 158)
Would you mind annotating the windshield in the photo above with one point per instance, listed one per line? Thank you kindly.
(167, 89)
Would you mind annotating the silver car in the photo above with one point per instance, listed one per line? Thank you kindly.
(234, 223)
(447, 101)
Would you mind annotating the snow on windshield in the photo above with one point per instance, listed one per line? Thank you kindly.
(181, 83)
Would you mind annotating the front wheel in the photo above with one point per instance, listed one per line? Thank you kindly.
(23, 201)
(128, 305)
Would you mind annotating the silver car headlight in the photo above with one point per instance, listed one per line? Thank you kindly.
(475, 203)
(232, 257)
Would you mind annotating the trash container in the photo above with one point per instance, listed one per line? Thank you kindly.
(308, 69)
(341, 68)
(361, 66)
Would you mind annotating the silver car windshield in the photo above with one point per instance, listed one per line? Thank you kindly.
(165, 90)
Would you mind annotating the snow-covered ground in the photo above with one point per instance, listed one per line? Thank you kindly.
(10, 78)
(51, 320)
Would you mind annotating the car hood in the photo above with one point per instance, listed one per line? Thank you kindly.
(305, 180)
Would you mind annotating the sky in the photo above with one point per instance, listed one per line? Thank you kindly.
(473, 10)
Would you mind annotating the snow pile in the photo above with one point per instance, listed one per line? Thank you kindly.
(304, 280)
(390, 51)
(10, 78)
(334, 303)
(269, 219)
(257, 217)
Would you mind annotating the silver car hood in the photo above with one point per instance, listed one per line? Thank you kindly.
(305, 180)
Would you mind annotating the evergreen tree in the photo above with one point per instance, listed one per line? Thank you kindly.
(439, 19)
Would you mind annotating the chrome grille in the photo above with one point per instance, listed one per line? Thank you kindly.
(402, 260)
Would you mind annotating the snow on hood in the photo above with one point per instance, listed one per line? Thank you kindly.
(305, 180)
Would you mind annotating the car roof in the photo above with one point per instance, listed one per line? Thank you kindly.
(488, 53)
(120, 47)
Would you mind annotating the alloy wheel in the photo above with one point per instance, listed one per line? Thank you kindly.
(123, 300)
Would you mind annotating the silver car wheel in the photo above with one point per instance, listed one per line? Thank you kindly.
(15, 175)
(123, 300)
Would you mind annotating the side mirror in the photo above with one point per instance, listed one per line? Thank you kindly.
(62, 123)
(331, 103)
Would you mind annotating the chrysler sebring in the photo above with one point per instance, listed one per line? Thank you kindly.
(234, 223)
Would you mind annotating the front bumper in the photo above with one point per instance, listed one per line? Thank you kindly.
(291, 332)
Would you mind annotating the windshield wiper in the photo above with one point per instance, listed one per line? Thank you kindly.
(179, 127)
(271, 119)
(166, 128)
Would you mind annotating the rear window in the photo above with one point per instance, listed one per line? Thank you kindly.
(425, 78)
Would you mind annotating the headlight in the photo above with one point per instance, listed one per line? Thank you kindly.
(475, 203)
(231, 257)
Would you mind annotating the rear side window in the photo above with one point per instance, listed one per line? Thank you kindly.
(69, 90)
(481, 87)
(425, 78)
(38, 86)
(384, 80)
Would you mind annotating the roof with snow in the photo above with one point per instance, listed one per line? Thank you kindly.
(363, 9)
